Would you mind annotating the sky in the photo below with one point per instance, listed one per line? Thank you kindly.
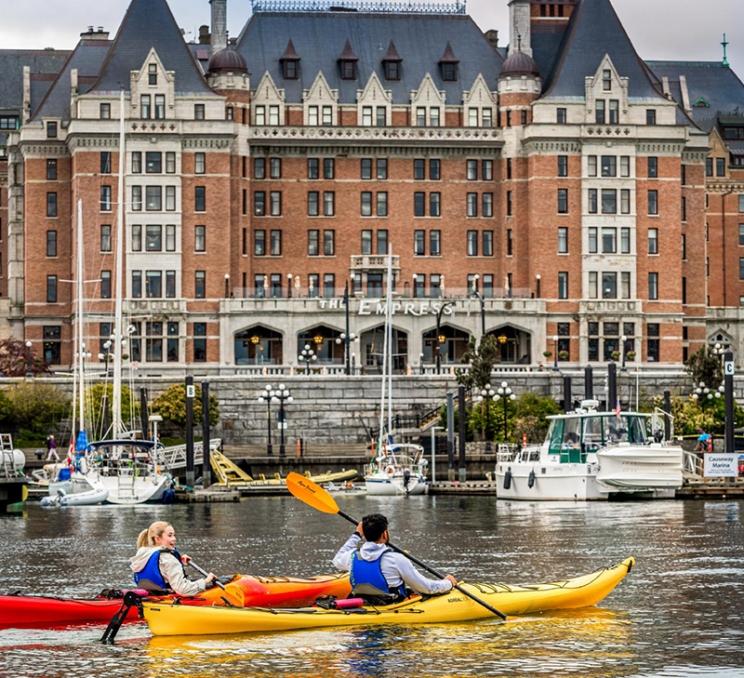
(688, 30)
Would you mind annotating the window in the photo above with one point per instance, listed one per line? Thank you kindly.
(200, 342)
(153, 238)
(487, 241)
(313, 203)
(273, 115)
(105, 162)
(276, 243)
(435, 243)
(435, 169)
(367, 116)
(419, 243)
(105, 284)
(472, 243)
(52, 335)
(366, 203)
(591, 165)
(720, 167)
(198, 111)
(471, 170)
(153, 198)
(606, 79)
(381, 116)
(275, 168)
(624, 166)
(348, 69)
(625, 240)
(152, 74)
(592, 201)
(592, 291)
(328, 168)
(365, 168)
(472, 205)
(159, 107)
(486, 205)
(327, 113)
(560, 115)
(625, 201)
(136, 162)
(563, 284)
(51, 169)
(709, 167)
(653, 241)
(382, 204)
(609, 285)
(599, 111)
(200, 198)
(329, 285)
(136, 238)
(562, 240)
(650, 116)
(259, 203)
(259, 243)
(420, 116)
(200, 238)
(313, 118)
(382, 241)
(592, 240)
(313, 243)
(509, 242)
(105, 240)
(51, 243)
(448, 70)
(313, 169)
(741, 234)
(366, 244)
(609, 241)
(329, 243)
(653, 285)
(51, 130)
(652, 342)
(51, 204)
(419, 285)
(200, 163)
(614, 112)
(653, 167)
(419, 204)
(382, 168)
(200, 284)
(609, 201)
(653, 202)
(562, 165)
(170, 198)
(435, 204)
(508, 168)
(487, 170)
(136, 290)
(419, 169)
(51, 289)
(170, 238)
(741, 202)
(625, 284)
(105, 198)
(104, 111)
(562, 201)
(276, 203)
(145, 107)
(609, 166)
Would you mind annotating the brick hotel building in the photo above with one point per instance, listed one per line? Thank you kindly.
(592, 200)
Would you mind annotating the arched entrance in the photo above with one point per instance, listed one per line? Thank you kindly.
(258, 345)
(515, 345)
(322, 340)
(453, 342)
(371, 347)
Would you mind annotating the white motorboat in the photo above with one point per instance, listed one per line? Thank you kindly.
(73, 488)
(398, 470)
(591, 455)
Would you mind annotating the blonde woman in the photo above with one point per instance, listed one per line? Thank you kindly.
(158, 566)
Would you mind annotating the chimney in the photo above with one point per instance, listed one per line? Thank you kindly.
(94, 33)
(493, 38)
(204, 37)
(519, 27)
(219, 25)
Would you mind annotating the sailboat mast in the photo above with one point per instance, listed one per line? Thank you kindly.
(385, 352)
(389, 330)
(117, 425)
(79, 342)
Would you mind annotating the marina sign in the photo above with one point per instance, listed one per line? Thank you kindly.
(721, 466)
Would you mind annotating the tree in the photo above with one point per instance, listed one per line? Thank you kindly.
(704, 366)
(482, 358)
(34, 410)
(17, 359)
(171, 405)
(531, 416)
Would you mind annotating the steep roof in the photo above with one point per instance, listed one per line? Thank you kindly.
(12, 61)
(319, 37)
(148, 24)
(707, 82)
(87, 58)
(593, 31)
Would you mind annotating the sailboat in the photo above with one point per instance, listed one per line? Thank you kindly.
(127, 468)
(398, 468)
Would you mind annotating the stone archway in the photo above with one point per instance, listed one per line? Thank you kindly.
(515, 345)
(452, 348)
(322, 340)
(258, 345)
(371, 349)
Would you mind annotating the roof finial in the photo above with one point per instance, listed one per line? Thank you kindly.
(724, 43)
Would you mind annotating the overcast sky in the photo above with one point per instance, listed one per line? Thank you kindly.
(659, 29)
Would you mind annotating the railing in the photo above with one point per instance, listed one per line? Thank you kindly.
(693, 463)
(174, 456)
(490, 295)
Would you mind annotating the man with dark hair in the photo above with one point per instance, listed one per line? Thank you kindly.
(379, 574)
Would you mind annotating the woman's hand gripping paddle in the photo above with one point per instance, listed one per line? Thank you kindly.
(315, 496)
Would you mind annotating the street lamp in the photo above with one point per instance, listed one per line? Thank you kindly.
(538, 280)
(705, 395)
(441, 339)
(488, 394)
(281, 396)
(289, 285)
(475, 293)
(227, 285)
(555, 352)
(266, 396)
(346, 340)
(505, 394)
(307, 355)
(106, 356)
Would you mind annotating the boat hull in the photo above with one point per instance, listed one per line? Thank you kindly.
(170, 620)
(389, 486)
(129, 490)
(559, 482)
(243, 590)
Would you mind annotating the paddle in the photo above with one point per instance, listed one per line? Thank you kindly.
(315, 496)
(204, 573)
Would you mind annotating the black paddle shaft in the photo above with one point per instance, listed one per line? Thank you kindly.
(431, 570)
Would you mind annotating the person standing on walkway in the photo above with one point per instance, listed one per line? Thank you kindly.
(51, 445)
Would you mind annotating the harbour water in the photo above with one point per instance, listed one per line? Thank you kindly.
(680, 612)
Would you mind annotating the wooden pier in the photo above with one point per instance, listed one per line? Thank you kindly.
(466, 488)
(711, 488)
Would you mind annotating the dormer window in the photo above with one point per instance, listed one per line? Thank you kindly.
(347, 63)
(391, 63)
(290, 62)
(606, 79)
(152, 74)
(448, 65)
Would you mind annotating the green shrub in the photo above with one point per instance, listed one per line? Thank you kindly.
(171, 405)
(33, 410)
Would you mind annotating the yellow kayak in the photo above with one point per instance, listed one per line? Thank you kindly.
(585, 591)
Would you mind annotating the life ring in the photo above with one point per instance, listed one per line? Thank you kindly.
(390, 470)
(507, 479)
(531, 479)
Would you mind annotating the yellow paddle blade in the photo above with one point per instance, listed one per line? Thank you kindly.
(311, 493)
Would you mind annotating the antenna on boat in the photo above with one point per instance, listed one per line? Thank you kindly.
(116, 423)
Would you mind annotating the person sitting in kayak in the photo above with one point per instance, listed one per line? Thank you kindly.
(379, 574)
(158, 567)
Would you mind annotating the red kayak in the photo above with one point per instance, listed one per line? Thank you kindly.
(241, 591)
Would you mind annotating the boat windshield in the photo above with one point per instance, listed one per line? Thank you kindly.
(609, 429)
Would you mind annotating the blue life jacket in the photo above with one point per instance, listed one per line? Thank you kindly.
(368, 582)
(150, 577)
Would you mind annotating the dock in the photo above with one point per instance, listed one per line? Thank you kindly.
(711, 488)
(208, 496)
(466, 488)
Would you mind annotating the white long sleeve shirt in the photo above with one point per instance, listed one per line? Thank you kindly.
(396, 568)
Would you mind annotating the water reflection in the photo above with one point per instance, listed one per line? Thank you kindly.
(678, 613)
